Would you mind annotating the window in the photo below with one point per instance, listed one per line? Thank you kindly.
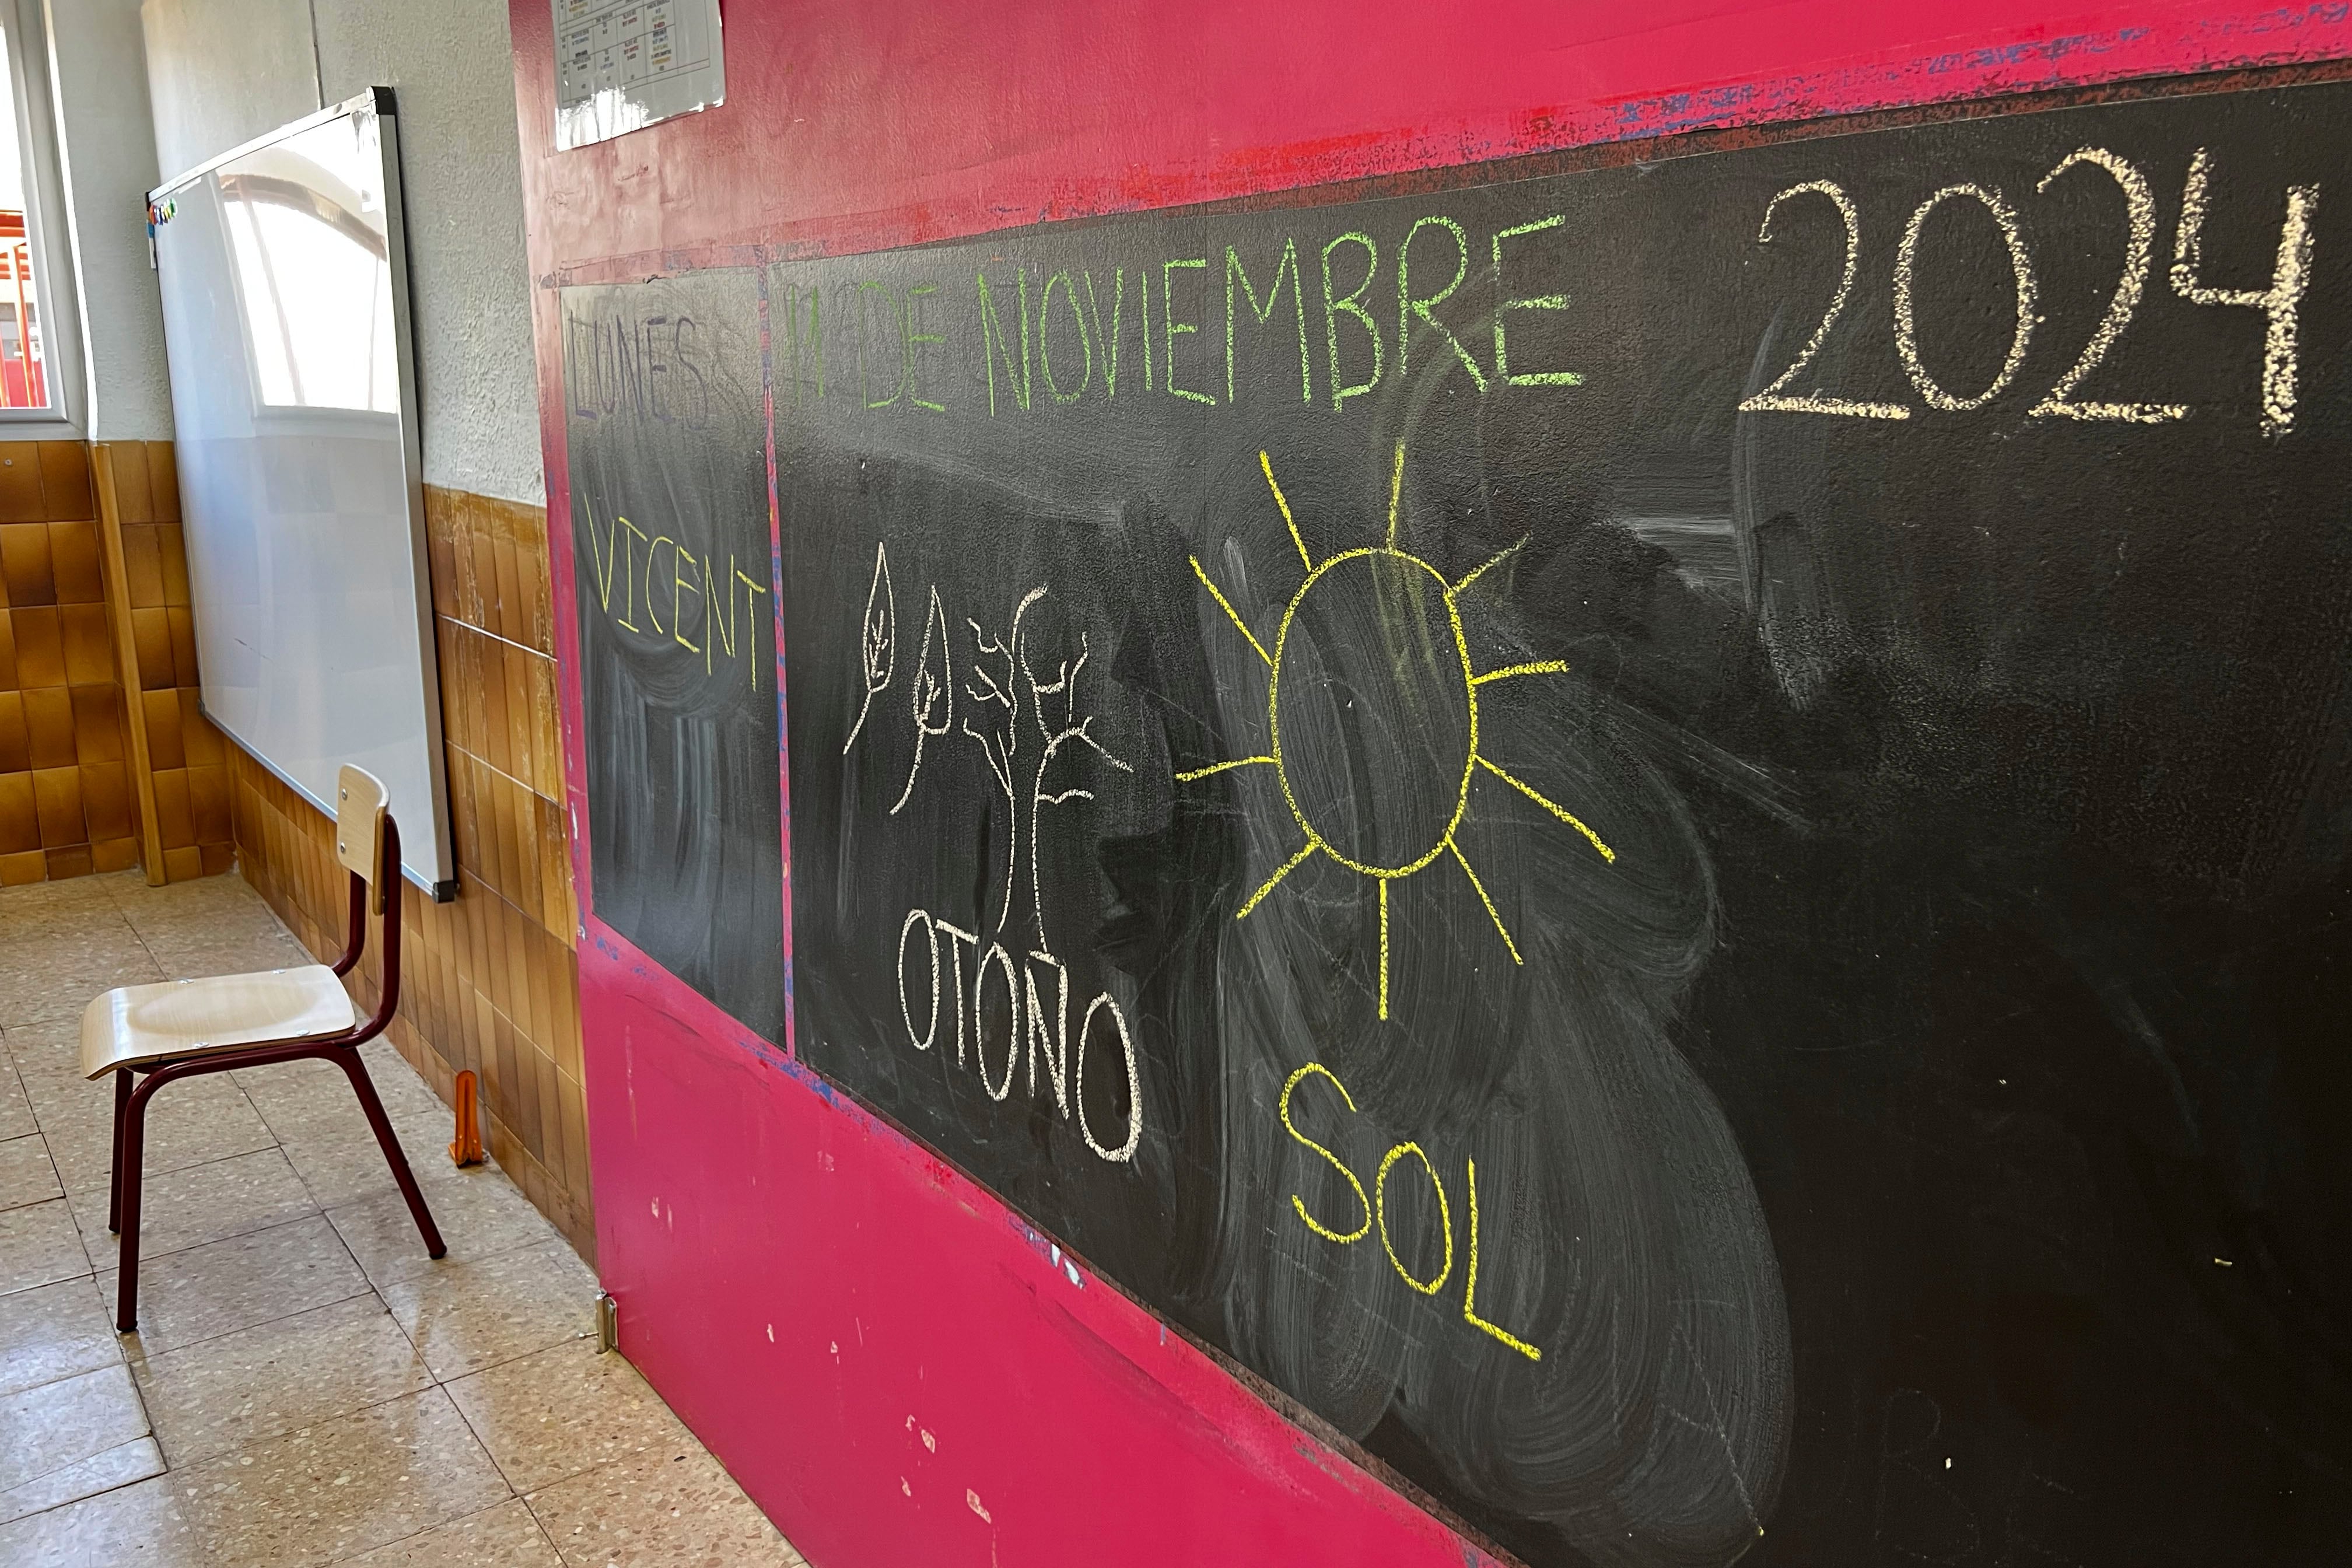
(26, 379)
(43, 391)
(308, 229)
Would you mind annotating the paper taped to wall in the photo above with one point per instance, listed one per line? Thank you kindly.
(623, 64)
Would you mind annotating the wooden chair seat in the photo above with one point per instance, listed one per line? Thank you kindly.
(146, 1026)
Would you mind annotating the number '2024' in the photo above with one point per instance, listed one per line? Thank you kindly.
(2278, 301)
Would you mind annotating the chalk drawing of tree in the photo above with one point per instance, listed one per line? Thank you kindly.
(1055, 706)
(999, 732)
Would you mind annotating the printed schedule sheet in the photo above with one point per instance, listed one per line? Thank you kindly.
(622, 64)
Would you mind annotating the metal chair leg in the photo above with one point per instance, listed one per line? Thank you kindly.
(356, 1070)
(130, 1149)
(114, 1177)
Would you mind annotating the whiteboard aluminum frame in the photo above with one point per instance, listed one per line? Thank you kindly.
(441, 880)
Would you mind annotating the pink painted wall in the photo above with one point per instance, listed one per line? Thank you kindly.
(898, 1369)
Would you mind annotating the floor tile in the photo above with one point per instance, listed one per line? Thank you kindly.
(506, 1536)
(340, 1169)
(54, 1331)
(48, 909)
(207, 1203)
(73, 892)
(185, 1297)
(53, 976)
(313, 1100)
(145, 905)
(477, 1219)
(466, 1316)
(192, 947)
(278, 1376)
(50, 1433)
(15, 1110)
(26, 1176)
(38, 1244)
(191, 1122)
(331, 1491)
(50, 1049)
(670, 1509)
(117, 1466)
(548, 1417)
(49, 1063)
(140, 1526)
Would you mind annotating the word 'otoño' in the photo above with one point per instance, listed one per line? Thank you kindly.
(1049, 1045)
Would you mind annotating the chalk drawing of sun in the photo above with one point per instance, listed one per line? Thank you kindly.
(1410, 594)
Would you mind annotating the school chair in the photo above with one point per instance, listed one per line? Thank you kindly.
(183, 1029)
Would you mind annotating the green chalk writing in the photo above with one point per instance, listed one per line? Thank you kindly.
(1351, 304)
(1425, 307)
(1174, 328)
(993, 344)
(1046, 338)
(1286, 267)
(1109, 343)
(896, 335)
(1539, 302)
(912, 319)
(804, 347)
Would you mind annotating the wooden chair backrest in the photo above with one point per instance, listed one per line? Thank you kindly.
(360, 816)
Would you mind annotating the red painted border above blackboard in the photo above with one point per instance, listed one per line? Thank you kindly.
(852, 125)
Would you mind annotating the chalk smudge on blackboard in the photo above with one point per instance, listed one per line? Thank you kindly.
(669, 525)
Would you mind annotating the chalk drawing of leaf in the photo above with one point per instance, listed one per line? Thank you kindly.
(931, 692)
(877, 641)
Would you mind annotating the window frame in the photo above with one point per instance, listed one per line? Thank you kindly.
(47, 228)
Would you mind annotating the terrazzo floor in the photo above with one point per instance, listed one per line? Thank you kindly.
(306, 1386)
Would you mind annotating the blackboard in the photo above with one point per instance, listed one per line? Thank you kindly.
(674, 583)
(1670, 839)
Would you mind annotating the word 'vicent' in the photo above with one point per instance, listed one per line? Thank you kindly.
(688, 599)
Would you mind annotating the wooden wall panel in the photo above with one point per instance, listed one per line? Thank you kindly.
(188, 760)
(69, 797)
(489, 980)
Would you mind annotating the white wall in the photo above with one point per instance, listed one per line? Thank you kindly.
(451, 65)
(105, 158)
(461, 172)
(222, 72)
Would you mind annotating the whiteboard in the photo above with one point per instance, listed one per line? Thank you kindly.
(285, 318)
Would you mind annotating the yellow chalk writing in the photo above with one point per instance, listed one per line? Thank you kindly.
(1318, 1070)
(677, 593)
(1445, 1218)
(1470, 1295)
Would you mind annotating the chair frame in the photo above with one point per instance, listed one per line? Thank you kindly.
(130, 1103)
